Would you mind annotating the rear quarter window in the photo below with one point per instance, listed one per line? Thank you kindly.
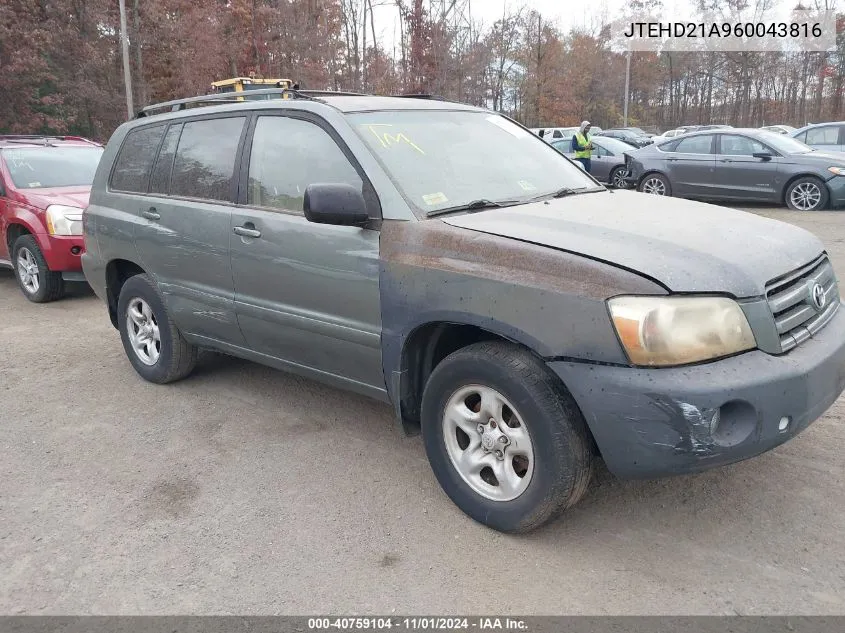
(134, 162)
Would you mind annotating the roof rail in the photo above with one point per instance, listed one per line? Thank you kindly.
(236, 97)
(420, 96)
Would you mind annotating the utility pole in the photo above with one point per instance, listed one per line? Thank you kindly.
(127, 78)
(627, 88)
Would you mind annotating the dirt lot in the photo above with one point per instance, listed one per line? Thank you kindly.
(245, 490)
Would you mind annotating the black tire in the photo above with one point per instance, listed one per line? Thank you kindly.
(648, 185)
(810, 184)
(50, 285)
(177, 358)
(563, 457)
(617, 173)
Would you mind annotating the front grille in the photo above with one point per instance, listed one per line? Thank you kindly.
(790, 298)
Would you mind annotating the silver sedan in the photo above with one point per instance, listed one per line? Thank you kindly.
(608, 161)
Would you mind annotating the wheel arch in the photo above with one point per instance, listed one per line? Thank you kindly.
(792, 179)
(425, 346)
(117, 272)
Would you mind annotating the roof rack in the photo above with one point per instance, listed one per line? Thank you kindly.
(237, 97)
(45, 138)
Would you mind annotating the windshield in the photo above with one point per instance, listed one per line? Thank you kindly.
(783, 144)
(440, 159)
(637, 130)
(37, 167)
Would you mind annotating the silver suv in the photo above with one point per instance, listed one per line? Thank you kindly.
(443, 259)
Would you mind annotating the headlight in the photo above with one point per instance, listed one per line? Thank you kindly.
(680, 330)
(838, 171)
(62, 220)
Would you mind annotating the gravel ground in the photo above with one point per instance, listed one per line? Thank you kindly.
(246, 490)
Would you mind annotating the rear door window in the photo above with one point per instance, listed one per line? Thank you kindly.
(827, 135)
(135, 160)
(734, 145)
(695, 145)
(205, 159)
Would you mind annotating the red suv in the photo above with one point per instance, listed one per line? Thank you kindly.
(44, 186)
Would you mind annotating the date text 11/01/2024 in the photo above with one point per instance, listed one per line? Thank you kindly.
(417, 624)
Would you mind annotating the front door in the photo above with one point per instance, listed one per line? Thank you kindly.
(305, 293)
(691, 165)
(185, 227)
(741, 175)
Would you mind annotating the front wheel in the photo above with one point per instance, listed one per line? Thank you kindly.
(153, 344)
(807, 194)
(656, 184)
(504, 438)
(38, 283)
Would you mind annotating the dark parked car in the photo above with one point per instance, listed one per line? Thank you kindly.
(522, 317)
(741, 164)
(608, 161)
(626, 136)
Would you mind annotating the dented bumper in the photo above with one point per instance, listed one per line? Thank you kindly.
(659, 422)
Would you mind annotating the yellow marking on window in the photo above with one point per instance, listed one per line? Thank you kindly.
(386, 139)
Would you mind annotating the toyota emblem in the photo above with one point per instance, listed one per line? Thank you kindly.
(818, 296)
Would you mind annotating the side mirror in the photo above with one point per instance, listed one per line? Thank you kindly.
(339, 204)
(764, 156)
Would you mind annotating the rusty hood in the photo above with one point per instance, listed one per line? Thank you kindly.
(684, 245)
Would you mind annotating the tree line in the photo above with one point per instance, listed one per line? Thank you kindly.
(61, 65)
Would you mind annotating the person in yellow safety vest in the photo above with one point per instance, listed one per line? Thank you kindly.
(582, 146)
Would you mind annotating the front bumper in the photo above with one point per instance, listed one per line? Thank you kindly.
(836, 186)
(657, 422)
(62, 252)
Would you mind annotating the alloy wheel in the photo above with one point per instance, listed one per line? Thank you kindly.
(488, 443)
(28, 271)
(654, 186)
(144, 335)
(806, 196)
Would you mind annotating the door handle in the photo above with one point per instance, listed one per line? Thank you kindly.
(151, 214)
(672, 160)
(726, 160)
(247, 230)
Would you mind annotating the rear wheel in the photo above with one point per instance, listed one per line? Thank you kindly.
(505, 439)
(656, 184)
(38, 283)
(152, 342)
(617, 177)
(807, 194)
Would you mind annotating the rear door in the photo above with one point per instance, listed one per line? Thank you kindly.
(740, 175)
(602, 162)
(185, 227)
(305, 293)
(691, 165)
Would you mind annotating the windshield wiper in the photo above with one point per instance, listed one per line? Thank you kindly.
(566, 191)
(475, 205)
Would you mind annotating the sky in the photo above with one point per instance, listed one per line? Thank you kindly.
(565, 13)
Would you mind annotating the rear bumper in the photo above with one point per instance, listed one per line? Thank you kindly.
(62, 253)
(657, 422)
